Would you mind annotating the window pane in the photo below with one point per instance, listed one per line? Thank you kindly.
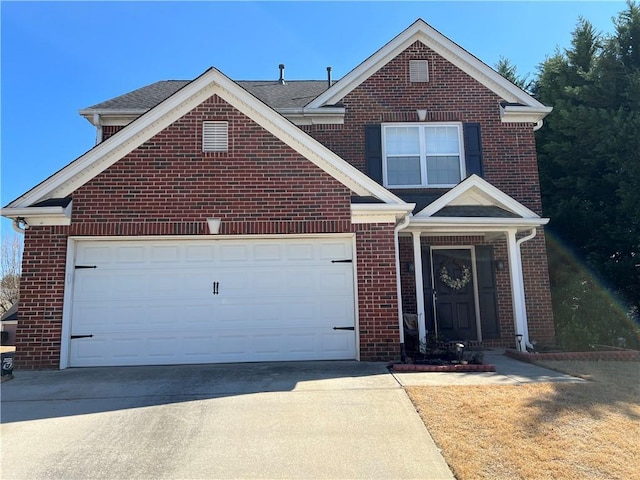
(443, 170)
(403, 171)
(442, 140)
(402, 140)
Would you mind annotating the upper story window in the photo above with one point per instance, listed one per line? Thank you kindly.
(422, 155)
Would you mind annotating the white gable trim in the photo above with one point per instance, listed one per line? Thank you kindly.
(211, 82)
(474, 190)
(421, 31)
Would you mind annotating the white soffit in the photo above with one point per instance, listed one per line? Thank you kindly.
(102, 156)
(476, 191)
(458, 56)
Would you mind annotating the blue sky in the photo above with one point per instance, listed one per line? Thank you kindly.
(59, 57)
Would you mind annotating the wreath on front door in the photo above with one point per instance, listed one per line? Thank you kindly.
(455, 283)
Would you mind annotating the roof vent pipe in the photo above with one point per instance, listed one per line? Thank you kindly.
(328, 77)
(281, 81)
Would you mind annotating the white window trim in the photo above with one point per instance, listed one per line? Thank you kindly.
(423, 154)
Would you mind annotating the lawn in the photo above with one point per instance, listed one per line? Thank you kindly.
(580, 431)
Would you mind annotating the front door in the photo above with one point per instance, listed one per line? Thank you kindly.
(455, 294)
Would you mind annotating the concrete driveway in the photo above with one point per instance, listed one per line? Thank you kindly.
(274, 420)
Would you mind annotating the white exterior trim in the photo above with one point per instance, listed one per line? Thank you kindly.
(212, 82)
(422, 32)
(379, 212)
(38, 216)
(424, 155)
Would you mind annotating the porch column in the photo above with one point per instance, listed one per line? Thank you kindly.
(417, 262)
(517, 290)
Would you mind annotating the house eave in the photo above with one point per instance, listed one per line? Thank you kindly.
(523, 113)
(477, 225)
(299, 116)
(40, 216)
(379, 212)
(313, 116)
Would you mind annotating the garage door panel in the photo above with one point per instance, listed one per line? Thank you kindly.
(153, 301)
(130, 255)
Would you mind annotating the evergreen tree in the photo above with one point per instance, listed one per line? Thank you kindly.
(589, 152)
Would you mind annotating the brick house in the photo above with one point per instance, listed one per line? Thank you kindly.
(222, 221)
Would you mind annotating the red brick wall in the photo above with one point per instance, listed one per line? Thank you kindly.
(170, 179)
(41, 297)
(377, 292)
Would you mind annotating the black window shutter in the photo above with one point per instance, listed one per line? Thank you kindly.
(487, 292)
(373, 152)
(473, 149)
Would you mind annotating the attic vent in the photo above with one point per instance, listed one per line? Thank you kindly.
(418, 71)
(215, 136)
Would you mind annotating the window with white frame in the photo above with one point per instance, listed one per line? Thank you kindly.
(422, 155)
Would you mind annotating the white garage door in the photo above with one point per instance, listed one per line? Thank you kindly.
(150, 302)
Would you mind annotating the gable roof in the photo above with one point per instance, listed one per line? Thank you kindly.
(476, 205)
(211, 82)
(422, 32)
(474, 191)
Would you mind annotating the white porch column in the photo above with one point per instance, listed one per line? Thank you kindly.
(517, 290)
(417, 262)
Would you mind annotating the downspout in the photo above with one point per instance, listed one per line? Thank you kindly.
(525, 330)
(538, 125)
(401, 225)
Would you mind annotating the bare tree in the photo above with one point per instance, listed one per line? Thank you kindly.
(10, 264)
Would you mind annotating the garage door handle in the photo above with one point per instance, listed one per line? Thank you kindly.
(73, 337)
(216, 286)
(344, 328)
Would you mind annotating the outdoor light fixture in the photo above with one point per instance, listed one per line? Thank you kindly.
(422, 115)
(214, 225)
(499, 265)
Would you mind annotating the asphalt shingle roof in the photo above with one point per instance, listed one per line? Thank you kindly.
(293, 94)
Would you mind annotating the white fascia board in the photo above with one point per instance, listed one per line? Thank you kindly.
(443, 226)
(299, 116)
(421, 31)
(38, 216)
(99, 118)
(523, 113)
(379, 212)
(105, 154)
(314, 116)
(474, 181)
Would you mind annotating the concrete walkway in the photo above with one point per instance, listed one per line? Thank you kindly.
(508, 372)
(315, 420)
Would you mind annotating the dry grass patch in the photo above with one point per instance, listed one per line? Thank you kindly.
(580, 431)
